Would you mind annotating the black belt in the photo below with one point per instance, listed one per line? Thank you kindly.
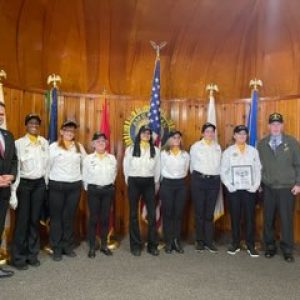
(206, 176)
(173, 179)
(99, 187)
(32, 180)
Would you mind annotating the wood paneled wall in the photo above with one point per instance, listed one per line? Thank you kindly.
(228, 43)
(187, 114)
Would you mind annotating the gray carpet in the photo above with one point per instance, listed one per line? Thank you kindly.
(188, 276)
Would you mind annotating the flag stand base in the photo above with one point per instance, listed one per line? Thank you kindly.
(113, 244)
(48, 249)
(3, 259)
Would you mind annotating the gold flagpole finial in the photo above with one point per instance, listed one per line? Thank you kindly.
(211, 88)
(53, 78)
(255, 83)
(158, 47)
(2, 75)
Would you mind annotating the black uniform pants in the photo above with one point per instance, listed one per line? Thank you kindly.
(283, 201)
(145, 187)
(172, 195)
(26, 239)
(4, 201)
(63, 202)
(99, 202)
(205, 191)
(240, 202)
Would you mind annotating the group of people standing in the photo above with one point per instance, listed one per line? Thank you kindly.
(29, 167)
(273, 167)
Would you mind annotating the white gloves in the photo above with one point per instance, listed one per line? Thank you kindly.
(13, 201)
(231, 188)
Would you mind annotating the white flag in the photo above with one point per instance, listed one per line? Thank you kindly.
(211, 118)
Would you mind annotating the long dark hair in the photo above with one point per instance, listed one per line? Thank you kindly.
(137, 146)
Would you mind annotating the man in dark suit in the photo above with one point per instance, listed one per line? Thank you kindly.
(8, 172)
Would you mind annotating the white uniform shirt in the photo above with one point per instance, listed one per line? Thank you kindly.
(65, 165)
(99, 171)
(205, 158)
(143, 166)
(232, 156)
(174, 166)
(33, 159)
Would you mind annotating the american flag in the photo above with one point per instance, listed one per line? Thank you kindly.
(154, 124)
(154, 110)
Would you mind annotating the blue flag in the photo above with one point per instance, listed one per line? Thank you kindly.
(52, 131)
(154, 111)
(252, 119)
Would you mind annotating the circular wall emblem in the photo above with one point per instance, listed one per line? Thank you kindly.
(138, 118)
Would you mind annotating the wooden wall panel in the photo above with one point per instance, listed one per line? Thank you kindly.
(187, 114)
(106, 43)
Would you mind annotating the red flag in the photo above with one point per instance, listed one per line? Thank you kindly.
(104, 128)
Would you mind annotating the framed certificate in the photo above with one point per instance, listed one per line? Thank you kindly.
(242, 177)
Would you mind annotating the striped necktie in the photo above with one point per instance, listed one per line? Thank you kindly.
(1, 149)
(274, 143)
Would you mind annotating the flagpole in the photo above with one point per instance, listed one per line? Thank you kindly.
(254, 84)
(212, 88)
(53, 80)
(112, 244)
(155, 124)
(4, 256)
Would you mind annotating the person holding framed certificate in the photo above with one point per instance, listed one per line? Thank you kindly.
(241, 174)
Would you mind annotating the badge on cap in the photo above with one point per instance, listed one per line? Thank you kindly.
(275, 117)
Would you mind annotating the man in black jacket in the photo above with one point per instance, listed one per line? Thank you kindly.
(8, 172)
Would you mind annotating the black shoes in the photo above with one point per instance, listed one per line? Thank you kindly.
(105, 250)
(168, 248)
(252, 252)
(136, 252)
(153, 251)
(200, 246)
(211, 248)
(5, 273)
(34, 262)
(233, 249)
(92, 253)
(57, 256)
(177, 246)
(20, 266)
(288, 257)
(70, 253)
(270, 253)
